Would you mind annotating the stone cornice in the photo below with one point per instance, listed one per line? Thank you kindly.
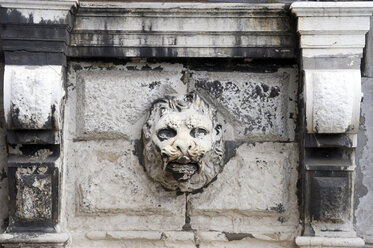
(39, 4)
(332, 9)
(112, 29)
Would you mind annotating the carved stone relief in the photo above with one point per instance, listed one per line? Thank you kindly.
(182, 142)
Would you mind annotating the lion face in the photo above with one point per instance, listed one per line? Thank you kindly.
(182, 142)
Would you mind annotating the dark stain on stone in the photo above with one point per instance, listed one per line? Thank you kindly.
(265, 87)
(317, 127)
(215, 87)
(12, 16)
(3, 174)
(149, 52)
(275, 91)
(187, 226)
(158, 68)
(53, 120)
(258, 91)
(139, 147)
(230, 148)
(281, 219)
(237, 236)
(5, 223)
(132, 68)
(146, 68)
(278, 208)
(154, 84)
(15, 117)
(77, 67)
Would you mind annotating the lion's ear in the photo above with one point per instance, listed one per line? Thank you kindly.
(146, 129)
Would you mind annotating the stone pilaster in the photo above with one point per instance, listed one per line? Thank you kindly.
(34, 37)
(332, 38)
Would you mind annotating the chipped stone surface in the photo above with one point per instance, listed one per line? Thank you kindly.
(34, 194)
(113, 100)
(332, 101)
(33, 96)
(112, 187)
(255, 191)
(259, 106)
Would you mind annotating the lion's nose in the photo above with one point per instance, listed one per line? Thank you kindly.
(184, 143)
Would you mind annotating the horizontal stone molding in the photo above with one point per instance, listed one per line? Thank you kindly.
(332, 8)
(34, 238)
(328, 27)
(328, 242)
(140, 235)
(39, 4)
(183, 30)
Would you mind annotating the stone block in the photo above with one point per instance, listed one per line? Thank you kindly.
(112, 101)
(34, 197)
(33, 193)
(255, 190)
(332, 100)
(32, 96)
(330, 199)
(112, 187)
(255, 106)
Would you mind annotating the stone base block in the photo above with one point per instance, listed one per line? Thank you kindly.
(307, 242)
(33, 240)
(178, 239)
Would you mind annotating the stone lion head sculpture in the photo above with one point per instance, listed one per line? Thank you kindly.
(182, 142)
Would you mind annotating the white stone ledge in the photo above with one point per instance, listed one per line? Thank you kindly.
(34, 238)
(328, 242)
(151, 6)
(38, 4)
(140, 235)
(332, 8)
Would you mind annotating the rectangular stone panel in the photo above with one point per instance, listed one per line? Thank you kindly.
(254, 106)
(33, 193)
(330, 198)
(112, 187)
(255, 192)
(113, 100)
(34, 197)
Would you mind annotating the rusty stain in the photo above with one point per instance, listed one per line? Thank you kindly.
(108, 156)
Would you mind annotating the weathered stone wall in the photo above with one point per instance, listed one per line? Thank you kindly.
(3, 160)
(364, 151)
(110, 200)
(364, 172)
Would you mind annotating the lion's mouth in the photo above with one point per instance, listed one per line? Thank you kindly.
(182, 171)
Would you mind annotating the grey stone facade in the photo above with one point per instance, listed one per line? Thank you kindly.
(79, 79)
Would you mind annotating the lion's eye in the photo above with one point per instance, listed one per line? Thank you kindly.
(166, 133)
(198, 132)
